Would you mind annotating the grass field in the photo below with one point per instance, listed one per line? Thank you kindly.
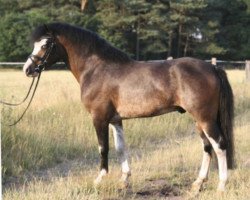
(53, 154)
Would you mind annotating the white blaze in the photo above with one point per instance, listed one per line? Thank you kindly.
(37, 48)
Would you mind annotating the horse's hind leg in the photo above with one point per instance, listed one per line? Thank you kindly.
(207, 154)
(214, 135)
(121, 150)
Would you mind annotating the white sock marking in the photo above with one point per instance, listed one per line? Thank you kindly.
(120, 147)
(222, 162)
(125, 167)
(204, 165)
(102, 173)
(99, 149)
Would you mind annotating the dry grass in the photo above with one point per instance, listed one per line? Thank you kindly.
(52, 153)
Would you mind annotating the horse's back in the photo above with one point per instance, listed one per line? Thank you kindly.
(144, 89)
(154, 88)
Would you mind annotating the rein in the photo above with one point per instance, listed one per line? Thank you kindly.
(32, 96)
(17, 104)
(26, 97)
(38, 68)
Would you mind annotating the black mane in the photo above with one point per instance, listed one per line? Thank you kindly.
(87, 41)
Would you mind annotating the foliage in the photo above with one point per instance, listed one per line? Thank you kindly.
(145, 29)
(230, 21)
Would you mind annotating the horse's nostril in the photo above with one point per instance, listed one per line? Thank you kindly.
(27, 71)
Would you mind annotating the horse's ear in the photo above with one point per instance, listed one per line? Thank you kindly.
(46, 28)
(48, 31)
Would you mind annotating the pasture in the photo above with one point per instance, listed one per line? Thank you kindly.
(53, 153)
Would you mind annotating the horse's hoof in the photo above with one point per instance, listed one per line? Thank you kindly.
(124, 181)
(99, 178)
(196, 187)
(221, 190)
(221, 187)
(221, 193)
(97, 182)
(123, 184)
(195, 191)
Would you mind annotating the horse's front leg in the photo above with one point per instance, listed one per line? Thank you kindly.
(121, 151)
(101, 127)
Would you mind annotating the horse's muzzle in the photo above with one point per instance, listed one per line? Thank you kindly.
(30, 72)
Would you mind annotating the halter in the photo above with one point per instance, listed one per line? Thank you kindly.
(40, 67)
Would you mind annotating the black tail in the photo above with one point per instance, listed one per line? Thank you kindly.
(226, 115)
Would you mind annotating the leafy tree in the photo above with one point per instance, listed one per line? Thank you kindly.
(234, 33)
(14, 38)
(123, 23)
(155, 33)
(226, 29)
(185, 19)
(19, 18)
(134, 26)
(145, 29)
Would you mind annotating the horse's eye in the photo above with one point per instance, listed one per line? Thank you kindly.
(44, 46)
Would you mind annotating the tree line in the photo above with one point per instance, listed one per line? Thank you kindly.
(145, 29)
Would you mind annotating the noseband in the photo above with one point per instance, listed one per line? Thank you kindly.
(40, 67)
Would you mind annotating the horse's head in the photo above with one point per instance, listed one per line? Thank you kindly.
(44, 53)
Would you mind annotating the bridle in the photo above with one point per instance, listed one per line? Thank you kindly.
(38, 68)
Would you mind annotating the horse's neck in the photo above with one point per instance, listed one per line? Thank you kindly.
(74, 60)
(78, 62)
(75, 64)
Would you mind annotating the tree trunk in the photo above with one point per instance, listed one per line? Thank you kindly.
(83, 4)
(170, 44)
(179, 41)
(138, 41)
(186, 45)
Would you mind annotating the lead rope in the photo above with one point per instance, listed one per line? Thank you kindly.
(17, 104)
(34, 91)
